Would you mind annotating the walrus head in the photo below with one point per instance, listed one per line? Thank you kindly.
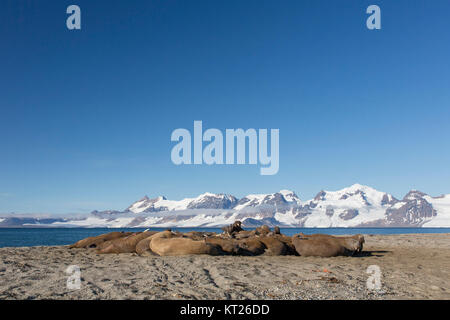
(353, 245)
(361, 241)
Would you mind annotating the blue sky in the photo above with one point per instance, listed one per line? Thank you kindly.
(86, 116)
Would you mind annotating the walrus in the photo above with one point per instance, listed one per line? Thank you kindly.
(358, 237)
(263, 230)
(126, 244)
(251, 246)
(325, 246)
(244, 234)
(229, 246)
(288, 242)
(143, 247)
(94, 242)
(198, 235)
(274, 247)
(183, 246)
(232, 228)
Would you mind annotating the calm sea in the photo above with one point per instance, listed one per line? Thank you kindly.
(25, 237)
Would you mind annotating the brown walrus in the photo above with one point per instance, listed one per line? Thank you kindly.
(288, 242)
(262, 230)
(125, 244)
(274, 247)
(358, 237)
(199, 235)
(325, 246)
(94, 242)
(143, 247)
(165, 244)
(244, 234)
(232, 228)
(251, 246)
(183, 246)
(229, 246)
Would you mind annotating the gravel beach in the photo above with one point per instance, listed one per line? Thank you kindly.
(413, 266)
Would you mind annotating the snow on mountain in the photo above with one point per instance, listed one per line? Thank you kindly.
(203, 201)
(355, 206)
(442, 206)
(280, 199)
(213, 201)
(347, 207)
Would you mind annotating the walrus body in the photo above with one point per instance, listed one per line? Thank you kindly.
(95, 242)
(346, 241)
(262, 231)
(251, 246)
(232, 228)
(325, 246)
(244, 234)
(229, 246)
(143, 247)
(124, 245)
(183, 246)
(274, 247)
(197, 235)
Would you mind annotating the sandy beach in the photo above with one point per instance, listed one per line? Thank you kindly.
(414, 266)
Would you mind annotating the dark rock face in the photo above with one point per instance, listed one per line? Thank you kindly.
(214, 202)
(320, 196)
(349, 214)
(358, 192)
(277, 199)
(303, 211)
(414, 194)
(149, 204)
(363, 196)
(412, 213)
(386, 200)
(329, 211)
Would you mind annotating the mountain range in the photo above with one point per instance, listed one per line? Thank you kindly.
(355, 206)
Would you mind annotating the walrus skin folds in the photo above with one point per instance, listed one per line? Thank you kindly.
(95, 242)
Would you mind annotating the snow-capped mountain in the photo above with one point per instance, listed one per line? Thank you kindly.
(355, 206)
(203, 201)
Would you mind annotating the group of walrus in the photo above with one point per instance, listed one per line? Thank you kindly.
(233, 241)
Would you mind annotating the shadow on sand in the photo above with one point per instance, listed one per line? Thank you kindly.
(373, 253)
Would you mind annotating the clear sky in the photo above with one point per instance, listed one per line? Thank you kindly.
(86, 116)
